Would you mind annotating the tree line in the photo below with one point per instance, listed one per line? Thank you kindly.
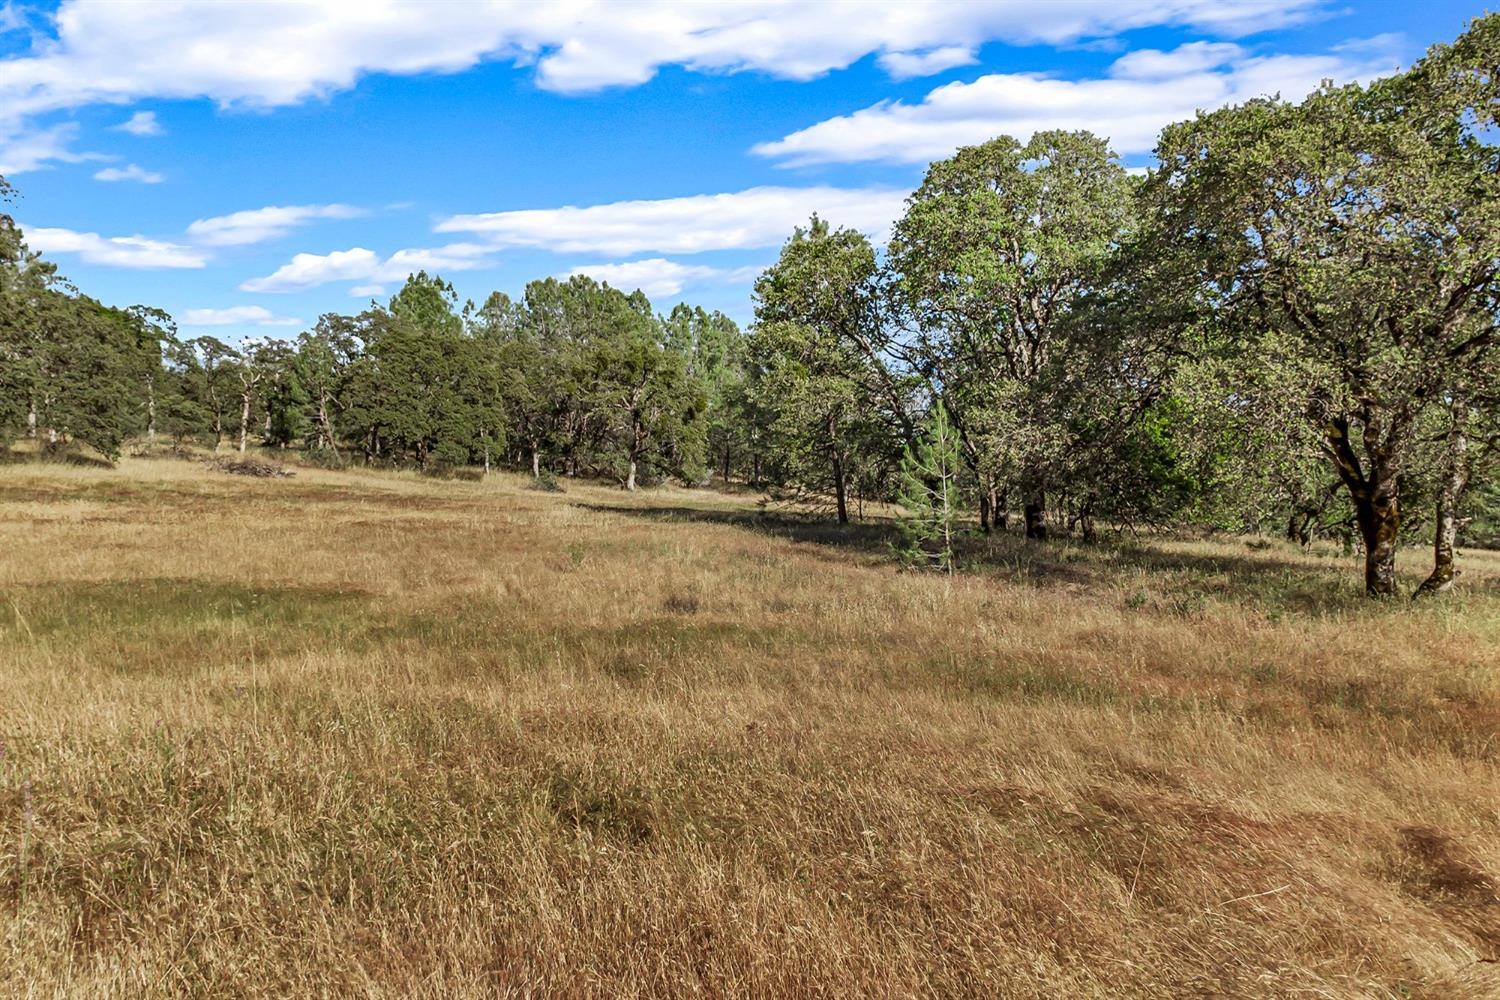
(1288, 323)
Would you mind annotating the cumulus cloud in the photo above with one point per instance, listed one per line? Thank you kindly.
(904, 65)
(1143, 91)
(236, 316)
(257, 225)
(367, 291)
(1194, 57)
(757, 217)
(657, 276)
(142, 123)
(309, 270)
(113, 251)
(275, 54)
(130, 173)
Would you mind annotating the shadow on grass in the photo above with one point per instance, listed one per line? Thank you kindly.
(65, 456)
(874, 537)
(1175, 581)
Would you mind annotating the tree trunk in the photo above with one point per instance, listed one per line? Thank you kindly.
(1379, 518)
(999, 517)
(1299, 528)
(326, 426)
(838, 489)
(1086, 524)
(31, 420)
(244, 421)
(1445, 535)
(726, 465)
(150, 411)
(1036, 516)
(1374, 489)
(630, 477)
(486, 458)
(536, 461)
(984, 511)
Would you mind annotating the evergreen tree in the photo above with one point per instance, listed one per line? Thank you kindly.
(928, 494)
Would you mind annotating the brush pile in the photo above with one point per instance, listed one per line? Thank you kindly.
(249, 467)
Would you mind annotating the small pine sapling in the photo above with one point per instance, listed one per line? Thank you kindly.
(929, 495)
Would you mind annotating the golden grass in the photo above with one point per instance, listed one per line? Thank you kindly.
(359, 734)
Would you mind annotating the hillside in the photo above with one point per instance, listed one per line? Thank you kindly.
(374, 734)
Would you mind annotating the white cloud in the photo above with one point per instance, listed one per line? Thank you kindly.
(142, 123)
(367, 291)
(130, 173)
(758, 217)
(276, 54)
(11, 18)
(260, 224)
(904, 65)
(1194, 57)
(658, 276)
(236, 316)
(113, 251)
(1144, 91)
(23, 148)
(308, 270)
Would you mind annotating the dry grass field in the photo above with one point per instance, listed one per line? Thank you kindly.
(359, 734)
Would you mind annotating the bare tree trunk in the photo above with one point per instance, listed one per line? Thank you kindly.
(244, 421)
(726, 465)
(1445, 535)
(31, 420)
(150, 411)
(984, 511)
(486, 458)
(536, 460)
(325, 426)
(637, 445)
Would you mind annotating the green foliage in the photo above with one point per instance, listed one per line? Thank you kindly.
(71, 370)
(928, 495)
(1001, 244)
(1346, 248)
(819, 392)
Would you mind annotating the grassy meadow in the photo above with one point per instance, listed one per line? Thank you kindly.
(368, 734)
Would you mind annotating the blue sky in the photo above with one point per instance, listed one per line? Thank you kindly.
(250, 166)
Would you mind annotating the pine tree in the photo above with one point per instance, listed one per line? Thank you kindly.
(929, 495)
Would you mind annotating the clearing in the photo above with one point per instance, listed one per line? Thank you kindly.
(371, 734)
